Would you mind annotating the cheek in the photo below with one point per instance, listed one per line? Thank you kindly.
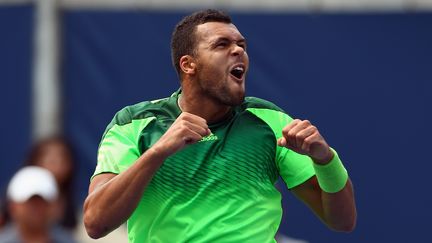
(17, 210)
(213, 74)
(30, 212)
(217, 61)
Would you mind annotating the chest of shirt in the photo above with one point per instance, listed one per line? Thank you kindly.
(243, 148)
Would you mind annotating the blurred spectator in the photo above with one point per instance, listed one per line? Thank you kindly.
(56, 155)
(31, 194)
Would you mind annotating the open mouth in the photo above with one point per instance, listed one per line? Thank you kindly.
(238, 71)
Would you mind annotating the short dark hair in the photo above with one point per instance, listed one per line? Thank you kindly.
(183, 39)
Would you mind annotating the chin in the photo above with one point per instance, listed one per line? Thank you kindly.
(228, 96)
(237, 99)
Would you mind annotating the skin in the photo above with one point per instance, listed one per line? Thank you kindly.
(206, 82)
(218, 50)
(33, 219)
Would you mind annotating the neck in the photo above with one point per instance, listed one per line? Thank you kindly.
(204, 107)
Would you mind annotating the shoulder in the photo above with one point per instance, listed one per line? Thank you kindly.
(136, 114)
(140, 111)
(268, 112)
(258, 103)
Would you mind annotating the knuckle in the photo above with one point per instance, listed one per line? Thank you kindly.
(291, 134)
(182, 131)
(300, 136)
(183, 125)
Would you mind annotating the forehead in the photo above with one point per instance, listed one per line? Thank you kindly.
(213, 30)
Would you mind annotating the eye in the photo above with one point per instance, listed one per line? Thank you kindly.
(221, 44)
(242, 45)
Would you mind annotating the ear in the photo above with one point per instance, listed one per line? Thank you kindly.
(187, 65)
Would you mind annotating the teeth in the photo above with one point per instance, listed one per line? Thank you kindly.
(240, 69)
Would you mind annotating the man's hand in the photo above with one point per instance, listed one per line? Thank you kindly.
(186, 129)
(304, 138)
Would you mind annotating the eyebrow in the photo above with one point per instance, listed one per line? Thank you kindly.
(219, 39)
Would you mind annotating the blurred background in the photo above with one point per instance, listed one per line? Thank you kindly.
(360, 70)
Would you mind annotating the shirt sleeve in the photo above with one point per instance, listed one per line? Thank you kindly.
(119, 147)
(294, 168)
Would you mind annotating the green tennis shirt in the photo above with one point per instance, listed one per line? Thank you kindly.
(221, 189)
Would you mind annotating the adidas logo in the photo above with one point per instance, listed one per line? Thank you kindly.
(210, 137)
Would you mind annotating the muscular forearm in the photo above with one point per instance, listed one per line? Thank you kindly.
(337, 197)
(339, 211)
(336, 210)
(111, 203)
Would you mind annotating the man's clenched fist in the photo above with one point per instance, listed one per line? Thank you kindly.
(304, 138)
(186, 129)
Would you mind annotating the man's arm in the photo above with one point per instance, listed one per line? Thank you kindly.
(336, 209)
(112, 198)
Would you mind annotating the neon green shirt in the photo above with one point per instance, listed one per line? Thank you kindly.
(221, 189)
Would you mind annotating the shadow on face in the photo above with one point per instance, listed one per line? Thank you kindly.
(33, 214)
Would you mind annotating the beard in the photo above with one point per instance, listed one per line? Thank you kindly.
(221, 92)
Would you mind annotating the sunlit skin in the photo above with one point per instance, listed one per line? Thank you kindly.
(207, 81)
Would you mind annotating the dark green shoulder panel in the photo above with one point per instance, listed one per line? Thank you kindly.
(140, 110)
(128, 113)
(254, 102)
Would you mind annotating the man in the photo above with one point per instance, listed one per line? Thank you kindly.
(200, 166)
(32, 193)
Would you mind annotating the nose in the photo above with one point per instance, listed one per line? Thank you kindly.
(237, 50)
